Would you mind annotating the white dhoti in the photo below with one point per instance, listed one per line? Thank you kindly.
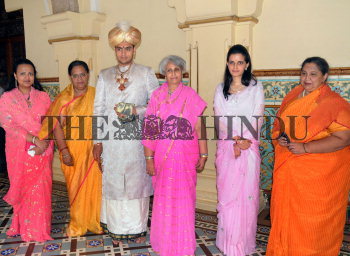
(125, 219)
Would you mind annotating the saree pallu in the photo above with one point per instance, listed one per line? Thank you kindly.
(310, 191)
(30, 177)
(84, 179)
(173, 212)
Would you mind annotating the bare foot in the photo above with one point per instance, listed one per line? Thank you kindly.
(140, 240)
(13, 236)
(116, 243)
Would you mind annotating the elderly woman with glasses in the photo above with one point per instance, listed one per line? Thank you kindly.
(173, 152)
(72, 108)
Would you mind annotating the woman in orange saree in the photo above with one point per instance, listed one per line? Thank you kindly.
(29, 159)
(82, 174)
(312, 172)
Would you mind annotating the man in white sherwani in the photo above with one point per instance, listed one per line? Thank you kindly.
(122, 93)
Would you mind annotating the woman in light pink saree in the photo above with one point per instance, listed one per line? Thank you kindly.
(238, 158)
(173, 152)
(28, 158)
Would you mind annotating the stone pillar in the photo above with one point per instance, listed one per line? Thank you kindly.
(211, 28)
(74, 36)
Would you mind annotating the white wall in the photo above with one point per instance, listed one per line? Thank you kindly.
(291, 30)
(157, 23)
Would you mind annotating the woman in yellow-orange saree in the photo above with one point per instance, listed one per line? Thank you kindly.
(74, 106)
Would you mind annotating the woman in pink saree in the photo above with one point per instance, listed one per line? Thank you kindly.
(173, 151)
(28, 158)
(241, 98)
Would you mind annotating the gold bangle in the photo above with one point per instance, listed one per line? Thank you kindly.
(204, 155)
(33, 139)
(149, 157)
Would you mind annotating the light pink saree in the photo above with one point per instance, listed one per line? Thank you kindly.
(238, 178)
(30, 177)
(173, 214)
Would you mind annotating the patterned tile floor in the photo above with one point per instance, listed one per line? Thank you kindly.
(97, 245)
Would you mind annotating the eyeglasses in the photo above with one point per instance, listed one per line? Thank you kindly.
(175, 70)
(128, 48)
(81, 75)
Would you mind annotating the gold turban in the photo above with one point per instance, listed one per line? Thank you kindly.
(123, 32)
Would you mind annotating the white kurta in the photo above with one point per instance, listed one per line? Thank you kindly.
(124, 166)
(125, 183)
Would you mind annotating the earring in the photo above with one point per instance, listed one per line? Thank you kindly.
(16, 82)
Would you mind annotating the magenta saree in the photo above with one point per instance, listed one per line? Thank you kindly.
(30, 177)
(176, 153)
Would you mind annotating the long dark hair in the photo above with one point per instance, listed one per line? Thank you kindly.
(247, 74)
(12, 83)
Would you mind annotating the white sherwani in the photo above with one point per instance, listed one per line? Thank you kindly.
(124, 168)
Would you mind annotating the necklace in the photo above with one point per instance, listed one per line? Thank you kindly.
(27, 99)
(120, 77)
(171, 92)
(304, 93)
(29, 102)
(236, 90)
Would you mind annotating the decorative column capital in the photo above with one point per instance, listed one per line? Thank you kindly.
(74, 36)
(195, 12)
(73, 26)
(11, 5)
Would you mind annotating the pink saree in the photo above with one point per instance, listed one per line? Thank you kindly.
(30, 177)
(238, 178)
(176, 154)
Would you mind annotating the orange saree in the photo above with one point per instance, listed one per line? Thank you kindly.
(84, 179)
(310, 191)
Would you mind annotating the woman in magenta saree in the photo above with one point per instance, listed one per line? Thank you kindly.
(173, 152)
(28, 158)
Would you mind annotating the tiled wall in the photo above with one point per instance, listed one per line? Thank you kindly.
(276, 89)
(52, 88)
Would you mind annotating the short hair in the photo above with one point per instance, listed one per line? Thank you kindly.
(321, 63)
(78, 63)
(178, 61)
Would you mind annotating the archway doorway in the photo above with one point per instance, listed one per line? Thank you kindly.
(12, 43)
(12, 47)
